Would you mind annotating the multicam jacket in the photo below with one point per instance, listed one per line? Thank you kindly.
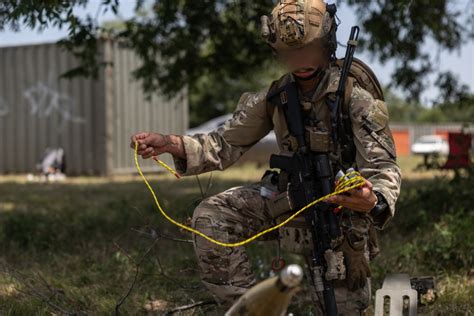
(254, 118)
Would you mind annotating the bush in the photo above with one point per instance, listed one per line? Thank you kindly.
(435, 221)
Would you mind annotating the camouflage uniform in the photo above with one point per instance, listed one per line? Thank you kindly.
(240, 212)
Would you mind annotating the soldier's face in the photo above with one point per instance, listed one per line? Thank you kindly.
(304, 61)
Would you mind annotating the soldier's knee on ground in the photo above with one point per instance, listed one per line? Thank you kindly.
(219, 265)
(225, 271)
(212, 259)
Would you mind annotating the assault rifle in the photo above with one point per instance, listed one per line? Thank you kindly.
(311, 177)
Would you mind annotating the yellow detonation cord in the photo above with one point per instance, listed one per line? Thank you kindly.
(350, 181)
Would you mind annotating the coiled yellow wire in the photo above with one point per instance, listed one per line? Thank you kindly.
(350, 181)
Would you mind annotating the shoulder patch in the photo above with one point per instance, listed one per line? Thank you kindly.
(371, 117)
(360, 104)
(377, 115)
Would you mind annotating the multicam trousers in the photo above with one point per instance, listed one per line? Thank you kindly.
(231, 216)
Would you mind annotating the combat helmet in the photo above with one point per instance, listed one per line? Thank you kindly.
(297, 23)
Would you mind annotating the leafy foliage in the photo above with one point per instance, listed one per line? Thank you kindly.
(461, 110)
(440, 224)
(431, 235)
(196, 38)
(215, 44)
(400, 30)
(212, 95)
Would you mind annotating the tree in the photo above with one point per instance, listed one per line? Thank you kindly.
(459, 108)
(207, 43)
(399, 109)
(213, 95)
(399, 30)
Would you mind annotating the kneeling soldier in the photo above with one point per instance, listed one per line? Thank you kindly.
(302, 34)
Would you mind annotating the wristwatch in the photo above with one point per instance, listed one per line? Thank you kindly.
(380, 207)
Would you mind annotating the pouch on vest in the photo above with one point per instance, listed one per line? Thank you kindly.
(318, 140)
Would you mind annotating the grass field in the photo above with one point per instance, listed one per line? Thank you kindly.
(75, 247)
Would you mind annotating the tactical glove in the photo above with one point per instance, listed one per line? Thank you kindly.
(357, 266)
(374, 248)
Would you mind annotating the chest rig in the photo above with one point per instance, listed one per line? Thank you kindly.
(317, 114)
(315, 134)
(317, 122)
(327, 129)
(319, 132)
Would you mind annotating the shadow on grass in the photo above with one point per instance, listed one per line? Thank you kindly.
(85, 240)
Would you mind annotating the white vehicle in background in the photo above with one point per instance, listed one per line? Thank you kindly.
(430, 145)
(259, 153)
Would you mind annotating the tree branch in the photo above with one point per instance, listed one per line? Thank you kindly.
(137, 272)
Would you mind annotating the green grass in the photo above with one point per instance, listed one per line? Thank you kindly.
(74, 246)
(432, 234)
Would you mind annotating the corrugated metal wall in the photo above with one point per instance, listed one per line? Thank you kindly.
(133, 113)
(40, 111)
(91, 119)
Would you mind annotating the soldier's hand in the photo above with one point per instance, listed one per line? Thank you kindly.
(362, 199)
(149, 144)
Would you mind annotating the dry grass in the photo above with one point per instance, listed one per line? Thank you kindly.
(73, 246)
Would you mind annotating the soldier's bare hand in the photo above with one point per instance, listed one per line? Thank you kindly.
(362, 199)
(149, 144)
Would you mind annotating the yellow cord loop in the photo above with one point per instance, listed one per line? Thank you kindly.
(350, 181)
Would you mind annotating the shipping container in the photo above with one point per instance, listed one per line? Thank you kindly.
(92, 119)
